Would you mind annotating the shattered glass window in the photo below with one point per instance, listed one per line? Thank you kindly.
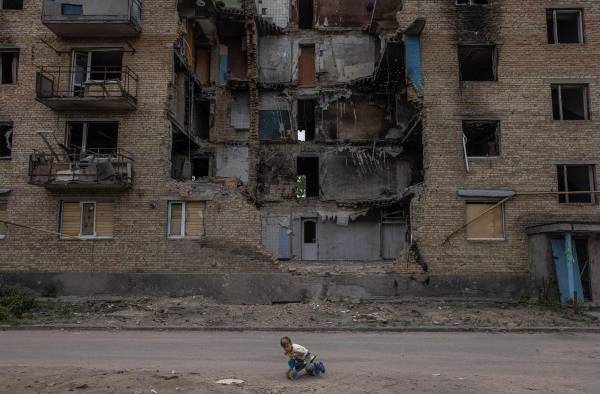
(6, 133)
(482, 138)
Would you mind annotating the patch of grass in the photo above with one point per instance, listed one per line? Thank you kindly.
(15, 303)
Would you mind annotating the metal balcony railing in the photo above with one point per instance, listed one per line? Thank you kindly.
(82, 82)
(95, 167)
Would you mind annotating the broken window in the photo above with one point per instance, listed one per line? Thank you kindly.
(72, 9)
(273, 124)
(565, 26)
(98, 66)
(92, 137)
(3, 227)
(6, 133)
(305, 14)
(184, 152)
(477, 63)
(306, 65)
(9, 63)
(481, 138)
(570, 102)
(472, 2)
(576, 178)
(11, 4)
(200, 167)
(488, 226)
(308, 167)
(86, 219)
(306, 119)
(186, 219)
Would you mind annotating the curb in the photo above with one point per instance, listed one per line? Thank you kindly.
(416, 329)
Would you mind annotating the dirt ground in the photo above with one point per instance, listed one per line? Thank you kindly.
(201, 312)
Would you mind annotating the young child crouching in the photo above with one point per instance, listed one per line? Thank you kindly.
(301, 361)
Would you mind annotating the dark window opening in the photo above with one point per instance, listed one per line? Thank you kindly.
(8, 66)
(309, 168)
(583, 257)
(576, 178)
(310, 232)
(477, 63)
(564, 26)
(201, 167)
(106, 65)
(72, 9)
(203, 119)
(185, 156)
(12, 4)
(6, 133)
(306, 118)
(305, 14)
(570, 102)
(93, 137)
(481, 138)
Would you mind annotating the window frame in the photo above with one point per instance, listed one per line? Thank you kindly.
(16, 62)
(591, 179)
(11, 9)
(4, 203)
(80, 237)
(498, 136)
(11, 127)
(81, 208)
(503, 213)
(586, 101)
(184, 221)
(494, 49)
(580, 23)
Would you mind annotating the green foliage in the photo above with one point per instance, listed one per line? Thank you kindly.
(14, 303)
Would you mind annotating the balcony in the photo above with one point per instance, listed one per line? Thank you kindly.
(100, 169)
(87, 89)
(92, 18)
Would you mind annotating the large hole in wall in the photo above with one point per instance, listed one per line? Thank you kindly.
(477, 63)
(308, 167)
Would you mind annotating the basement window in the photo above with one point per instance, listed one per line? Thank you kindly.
(570, 102)
(3, 216)
(576, 178)
(305, 14)
(472, 2)
(490, 225)
(6, 133)
(306, 119)
(308, 176)
(481, 138)
(11, 4)
(477, 63)
(565, 26)
(186, 219)
(72, 9)
(86, 220)
(9, 63)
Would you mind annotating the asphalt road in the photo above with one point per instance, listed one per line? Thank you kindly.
(395, 362)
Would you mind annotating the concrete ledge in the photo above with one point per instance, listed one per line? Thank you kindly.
(432, 329)
(261, 288)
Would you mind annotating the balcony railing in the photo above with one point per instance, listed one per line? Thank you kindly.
(102, 87)
(92, 18)
(104, 169)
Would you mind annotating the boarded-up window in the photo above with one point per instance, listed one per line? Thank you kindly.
(186, 219)
(488, 226)
(86, 219)
(2, 217)
(306, 65)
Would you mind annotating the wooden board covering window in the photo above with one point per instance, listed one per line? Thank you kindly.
(70, 221)
(488, 226)
(2, 217)
(104, 219)
(194, 219)
(306, 66)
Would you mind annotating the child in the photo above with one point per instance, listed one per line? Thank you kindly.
(301, 361)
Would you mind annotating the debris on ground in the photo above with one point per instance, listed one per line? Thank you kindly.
(237, 382)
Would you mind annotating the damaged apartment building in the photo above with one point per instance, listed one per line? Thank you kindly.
(395, 147)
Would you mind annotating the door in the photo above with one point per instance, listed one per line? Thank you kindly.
(567, 269)
(392, 240)
(79, 73)
(306, 66)
(310, 248)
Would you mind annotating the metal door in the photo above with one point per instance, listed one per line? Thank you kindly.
(310, 247)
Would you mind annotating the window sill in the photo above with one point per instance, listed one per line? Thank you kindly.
(478, 158)
(5, 158)
(194, 238)
(486, 239)
(577, 204)
(87, 239)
